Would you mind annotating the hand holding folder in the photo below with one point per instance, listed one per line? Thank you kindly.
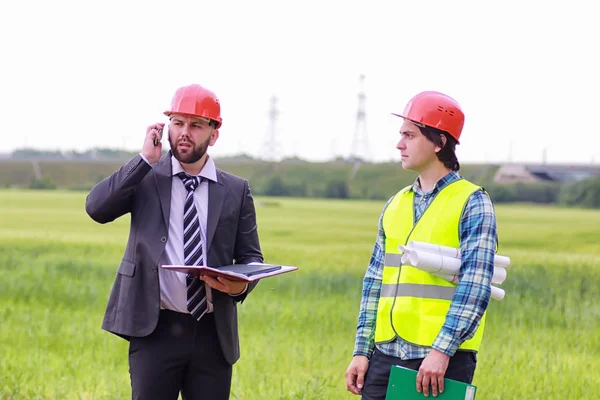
(402, 386)
(235, 272)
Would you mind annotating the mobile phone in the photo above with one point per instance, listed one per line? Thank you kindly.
(158, 137)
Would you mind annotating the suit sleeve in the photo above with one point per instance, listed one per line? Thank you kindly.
(247, 246)
(112, 197)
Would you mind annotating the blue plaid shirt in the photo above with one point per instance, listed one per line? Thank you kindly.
(478, 239)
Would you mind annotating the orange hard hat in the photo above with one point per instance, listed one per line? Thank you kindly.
(196, 101)
(435, 110)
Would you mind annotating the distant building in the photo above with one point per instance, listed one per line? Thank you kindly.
(511, 173)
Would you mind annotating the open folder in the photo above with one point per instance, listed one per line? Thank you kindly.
(234, 272)
(403, 386)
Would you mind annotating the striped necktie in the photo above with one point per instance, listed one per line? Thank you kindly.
(192, 247)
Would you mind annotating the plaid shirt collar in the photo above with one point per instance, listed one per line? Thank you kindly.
(442, 183)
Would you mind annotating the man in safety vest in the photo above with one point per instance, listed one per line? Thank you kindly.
(409, 317)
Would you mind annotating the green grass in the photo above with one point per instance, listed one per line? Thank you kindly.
(297, 330)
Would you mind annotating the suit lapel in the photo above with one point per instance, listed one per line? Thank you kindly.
(216, 195)
(163, 178)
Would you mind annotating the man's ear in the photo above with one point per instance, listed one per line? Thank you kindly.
(213, 137)
(444, 141)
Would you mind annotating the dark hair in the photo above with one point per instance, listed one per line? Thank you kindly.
(447, 154)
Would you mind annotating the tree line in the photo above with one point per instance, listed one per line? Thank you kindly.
(338, 179)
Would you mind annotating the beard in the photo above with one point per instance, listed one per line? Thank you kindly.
(189, 156)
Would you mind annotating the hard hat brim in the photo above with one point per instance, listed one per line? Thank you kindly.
(417, 123)
(168, 113)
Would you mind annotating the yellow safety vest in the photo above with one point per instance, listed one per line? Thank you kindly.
(413, 303)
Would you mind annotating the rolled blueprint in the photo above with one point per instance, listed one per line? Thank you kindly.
(436, 263)
(497, 293)
(500, 261)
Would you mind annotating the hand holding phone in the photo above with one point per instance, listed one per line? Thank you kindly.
(152, 148)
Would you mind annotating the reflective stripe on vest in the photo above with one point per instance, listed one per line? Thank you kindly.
(412, 290)
(393, 260)
(413, 304)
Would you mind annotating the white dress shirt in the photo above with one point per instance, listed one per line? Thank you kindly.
(173, 286)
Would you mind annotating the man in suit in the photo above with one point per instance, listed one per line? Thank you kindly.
(182, 331)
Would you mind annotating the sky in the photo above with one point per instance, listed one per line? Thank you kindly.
(77, 75)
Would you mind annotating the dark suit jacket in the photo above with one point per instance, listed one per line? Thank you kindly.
(145, 192)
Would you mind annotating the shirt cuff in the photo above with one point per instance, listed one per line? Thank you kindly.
(362, 353)
(446, 343)
(240, 293)
(363, 349)
(144, 158)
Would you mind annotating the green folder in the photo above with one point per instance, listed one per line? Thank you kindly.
(403, 386)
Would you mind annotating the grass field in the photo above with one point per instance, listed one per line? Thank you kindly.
(297, 330)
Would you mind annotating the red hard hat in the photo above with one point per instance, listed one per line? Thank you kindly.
(435, 110)
(196, 101)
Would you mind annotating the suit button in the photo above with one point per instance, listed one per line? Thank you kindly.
(154, 269)
(163, 239)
